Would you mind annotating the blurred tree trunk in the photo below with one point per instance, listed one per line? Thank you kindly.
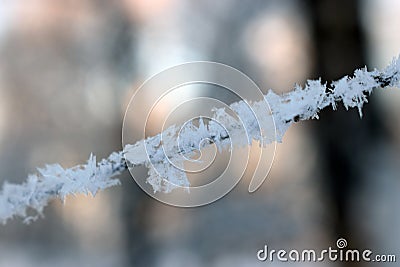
(135, 207)
(342, 136)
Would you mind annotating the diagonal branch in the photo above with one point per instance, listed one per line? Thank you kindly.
(53, 181)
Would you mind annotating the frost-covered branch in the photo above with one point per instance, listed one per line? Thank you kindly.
(301, 104)
(53, 181)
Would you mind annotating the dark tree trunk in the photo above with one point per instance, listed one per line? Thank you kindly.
(342, 136)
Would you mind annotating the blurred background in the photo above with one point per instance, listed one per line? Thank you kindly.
(68, 69)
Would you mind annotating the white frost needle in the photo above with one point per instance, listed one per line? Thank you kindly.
(27, 200)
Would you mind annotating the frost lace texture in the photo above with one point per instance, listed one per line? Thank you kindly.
(27, 200)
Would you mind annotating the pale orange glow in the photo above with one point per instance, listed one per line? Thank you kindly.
(278, 45)
(146, 10)
(42, 14)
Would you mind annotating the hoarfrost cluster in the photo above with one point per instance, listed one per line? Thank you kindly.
(28, 199)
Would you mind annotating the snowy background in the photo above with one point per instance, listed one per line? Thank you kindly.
(68, 69)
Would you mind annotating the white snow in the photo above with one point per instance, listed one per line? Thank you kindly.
(53, 181)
